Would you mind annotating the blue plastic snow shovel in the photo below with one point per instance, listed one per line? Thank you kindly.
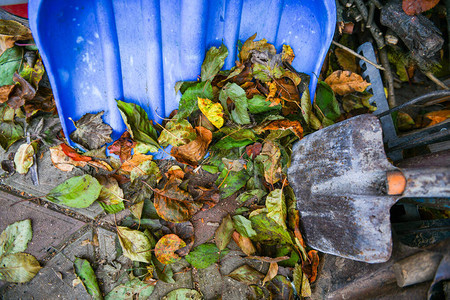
(136, 50)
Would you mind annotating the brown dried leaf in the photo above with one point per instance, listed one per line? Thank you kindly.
(271, 273)
(192, 152)
(244, 243)
(10, 32)
(250, 45)
(414, 7)
(294, 126)
(23, 91)
(42, 101)
(123, 146)
(253, 150)
(185, 231)
(61, 161)
(346, 60)
(346, 82)
(135, 161)
(91, 132)
(5, 91)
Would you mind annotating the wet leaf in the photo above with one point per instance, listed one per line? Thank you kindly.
(231, 182)
(294, 126)
(271, 273)
(244, 243)
(173, 204)
(131, 290)
(85, 272)
(258, 104)
(166, 247)
(214, 60)
(78, 192)
(63, 162)
(205, 255)
(276, 207)
(23, 159)
(310, 266)
(414, 7)
(234, 138)
(270, 158)
(135, 244)
(326, 102)
(23, 91)
(223, 233)
(146, 168)
(280, 288)
(18, 267)
(110, 193)
(307, 112)
(15, 237)
(268, 231)
(123, 146)
(212, 111)
(138, 124)
(185, 231)
(183, 293)
(253, 194)
(346, 82)
(189, 100)
(346, 60)
(247, 275)
(243, 226)
(91, 132)
(135, 161)
(112, 208)
(357, 100)
(177, 133)
(10, 32)
(73, 154)
(5, 91)
(10, 61)
(194, 151)
(404, 121)
(250, 45)
(237, 95)
(437, 117)
(33, 74)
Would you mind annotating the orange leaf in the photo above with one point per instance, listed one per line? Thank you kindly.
(192, 152)
(135, 161)
(437, 116)
(346, 82)
(271, 273)
(165, 248)
(73, 154)
(413, 7)
(63, 162)
(294, 126)
(244, 243)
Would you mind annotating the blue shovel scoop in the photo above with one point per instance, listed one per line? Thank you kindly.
(98, 51)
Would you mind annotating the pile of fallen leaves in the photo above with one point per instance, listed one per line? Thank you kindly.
(231, 138)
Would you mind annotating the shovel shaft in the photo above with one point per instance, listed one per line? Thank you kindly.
(424, 182)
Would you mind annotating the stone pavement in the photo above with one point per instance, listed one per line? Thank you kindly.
(60, 234)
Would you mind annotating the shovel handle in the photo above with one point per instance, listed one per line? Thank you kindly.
(424, 182)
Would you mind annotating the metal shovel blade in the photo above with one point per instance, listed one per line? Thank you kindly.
(136, 50)
(338, 176)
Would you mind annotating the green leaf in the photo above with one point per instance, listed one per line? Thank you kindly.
(112, 208)
(258, 104)
(10, 132)
(91, 132)
(146, 168)
(164, 272)
(177, 133)
(231, 182)
(214, 61)
(247, 195)
(33, 74)
(210, 169)
(15, 237)
(265, 72)
(234, 138)
(23, 159)
(138, 124)
(247, 275)
(268, 231)
(205, 255)
(224, 232)
(9, 63)
(135, 244)
(78, 192)
(276, 206)
(85, 272)
(131, 290)
(287, 250)
(301, 282)
(326, 101)
(189, 100)
(18, 267)
(182, 294)
(236, 94)
(244, 226)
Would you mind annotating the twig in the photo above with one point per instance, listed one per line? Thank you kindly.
(358, 56)
(436, 80)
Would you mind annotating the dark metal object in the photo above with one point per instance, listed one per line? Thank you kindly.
(422, 233)
(339, 178)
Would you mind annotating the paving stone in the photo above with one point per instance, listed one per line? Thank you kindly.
(210, 281)
(49, 177)
(182, 280)
(50, 228)
(106, 244)
(55, 280)
(112, 219)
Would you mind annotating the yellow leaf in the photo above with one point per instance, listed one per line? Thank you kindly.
(288, 54)
(135, 161)
(437, 116)
(212, 111)
(346, 82)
